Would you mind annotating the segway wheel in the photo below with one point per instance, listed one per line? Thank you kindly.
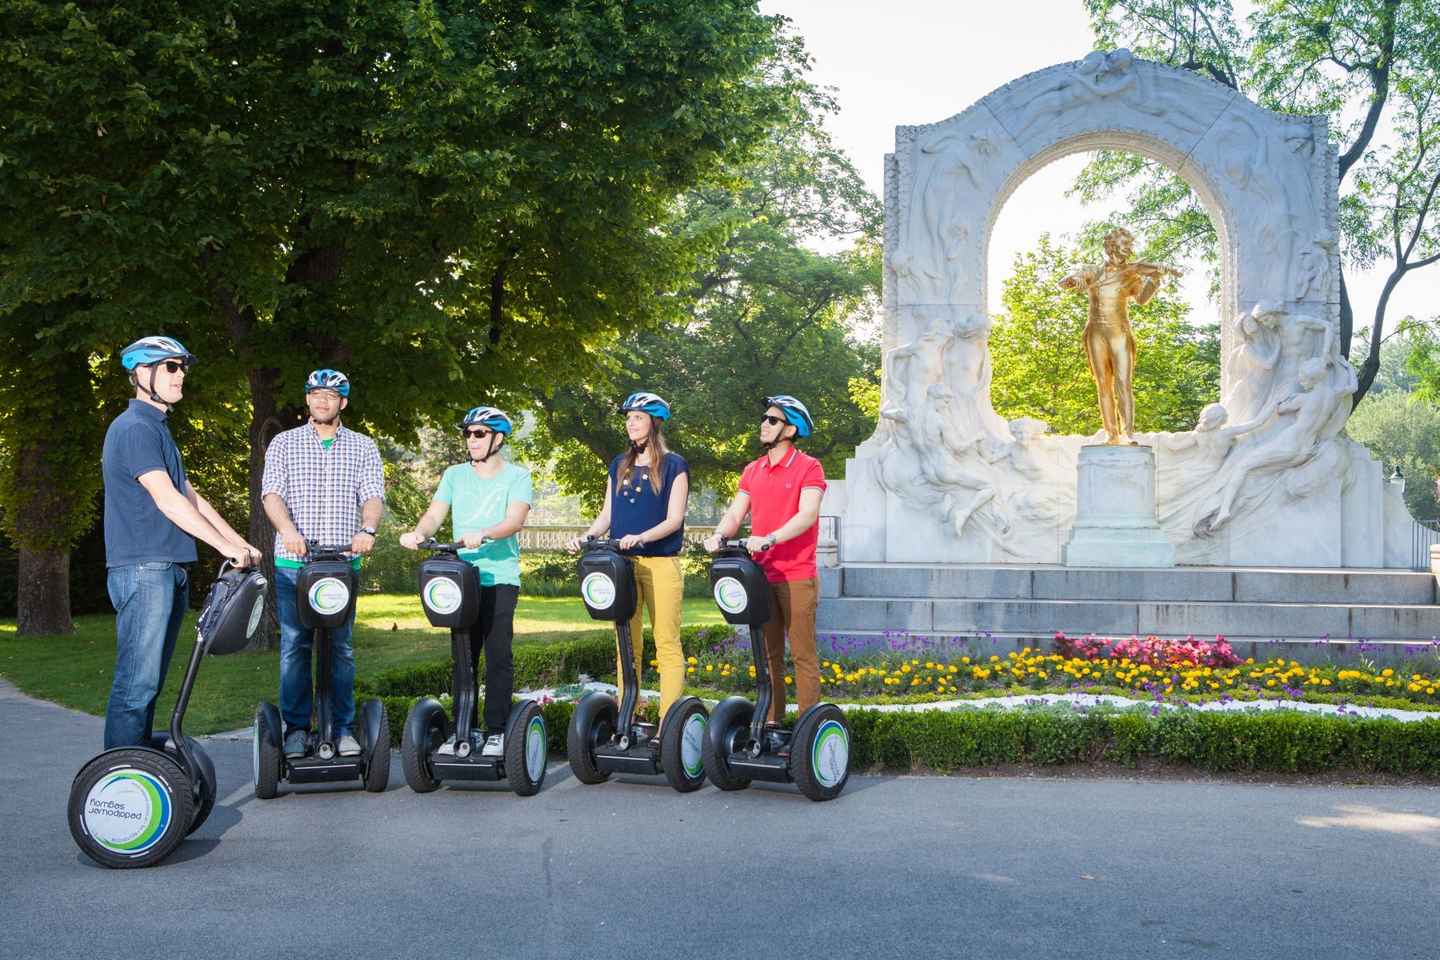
(265, 753)
(424, 729)
(727, 725)
(130, 807)
(526, 748)
(375, 724)
(592, 724)
(820, 753)
(682, 744)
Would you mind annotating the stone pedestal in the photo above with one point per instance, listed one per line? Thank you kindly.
(1115, 518)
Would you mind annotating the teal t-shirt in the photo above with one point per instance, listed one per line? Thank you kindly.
(477, 503)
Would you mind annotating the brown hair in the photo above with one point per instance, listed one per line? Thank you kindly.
(658, 452)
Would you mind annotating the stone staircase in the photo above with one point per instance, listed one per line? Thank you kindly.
(1262, 611)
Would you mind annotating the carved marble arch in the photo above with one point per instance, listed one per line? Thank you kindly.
(1267, 180)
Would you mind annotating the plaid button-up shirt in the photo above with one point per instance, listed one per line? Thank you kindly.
(322, 489)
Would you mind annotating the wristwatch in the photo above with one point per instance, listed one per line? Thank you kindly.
(368, 531)
(769, 541)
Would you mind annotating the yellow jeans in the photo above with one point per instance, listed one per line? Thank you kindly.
(660, 585)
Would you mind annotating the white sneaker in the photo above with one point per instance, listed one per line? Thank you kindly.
(348, 746)
(494, 746)
(447, 749)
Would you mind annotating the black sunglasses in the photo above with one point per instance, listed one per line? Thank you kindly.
(479, 434)
(174, 366)
(766, 418)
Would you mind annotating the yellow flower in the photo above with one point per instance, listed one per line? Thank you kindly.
(691, 660)
(788, 680)
(689, 670)
(709, 668)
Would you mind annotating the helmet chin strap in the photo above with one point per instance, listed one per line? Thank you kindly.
(151, 389)
(639, 447)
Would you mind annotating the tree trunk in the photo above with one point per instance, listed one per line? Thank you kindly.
(43, 598)
(264, 424)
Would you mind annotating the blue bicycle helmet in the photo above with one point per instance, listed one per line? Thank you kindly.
(650, 403)
(149, 350)
(328, 379)
(795, 413)
(491, 417)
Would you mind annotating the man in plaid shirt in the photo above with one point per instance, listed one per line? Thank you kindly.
(323, 483)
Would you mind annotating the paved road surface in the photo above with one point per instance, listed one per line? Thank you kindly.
(897, 867)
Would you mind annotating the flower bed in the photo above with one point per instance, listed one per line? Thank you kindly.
(1187, 671)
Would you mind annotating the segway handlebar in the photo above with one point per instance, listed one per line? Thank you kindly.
(314, 550)
(430, 543)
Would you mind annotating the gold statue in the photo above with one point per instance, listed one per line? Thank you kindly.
(1109, 344)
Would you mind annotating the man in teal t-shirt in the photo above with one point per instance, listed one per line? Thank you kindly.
(490, 499)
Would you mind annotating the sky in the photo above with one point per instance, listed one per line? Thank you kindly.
(919, 61)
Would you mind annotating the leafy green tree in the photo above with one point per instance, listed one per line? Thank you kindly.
(428, 195)
(1371, 66)
(1404, 430)
(1038, 352)
(765, 312)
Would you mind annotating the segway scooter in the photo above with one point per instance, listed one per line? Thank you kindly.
(450, 593)
(325, 596)
(605, 739)
(740, 745)
(131, 806)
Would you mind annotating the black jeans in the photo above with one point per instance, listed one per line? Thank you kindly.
(494, 631)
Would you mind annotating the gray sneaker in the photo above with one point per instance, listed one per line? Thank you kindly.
(296, 742)
(348, 746)
(494, 746)
(446, 749)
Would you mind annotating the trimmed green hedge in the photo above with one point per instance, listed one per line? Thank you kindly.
(945, 741)
(536, 665)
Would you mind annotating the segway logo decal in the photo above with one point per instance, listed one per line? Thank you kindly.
(255, 613)
(692, 740)
(598, 590)
(128, 811)
(442, 595)
(535, 741)
(329, 595)
(830, 756)
(730, 595)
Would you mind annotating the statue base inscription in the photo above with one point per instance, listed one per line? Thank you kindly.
(1116, 524)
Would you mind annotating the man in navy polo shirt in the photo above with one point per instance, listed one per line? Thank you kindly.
(152, 515)
(781, 492)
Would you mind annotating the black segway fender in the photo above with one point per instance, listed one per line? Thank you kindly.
(424, 729)
(591, 724)
(729, 721)
(527, 748)
(375, 728)
(131, 807)
(267, 756)
(205, 768)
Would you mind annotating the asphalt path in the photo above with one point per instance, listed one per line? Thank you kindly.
(898, 866)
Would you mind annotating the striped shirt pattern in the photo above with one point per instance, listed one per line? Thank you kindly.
(322, 489)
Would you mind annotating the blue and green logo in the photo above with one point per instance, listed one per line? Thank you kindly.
(692, 740)
(830, 755)
(535, 747)
(128, 811)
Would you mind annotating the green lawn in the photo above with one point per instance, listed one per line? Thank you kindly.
(390, 631)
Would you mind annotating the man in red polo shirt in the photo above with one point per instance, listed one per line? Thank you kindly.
(781, 492)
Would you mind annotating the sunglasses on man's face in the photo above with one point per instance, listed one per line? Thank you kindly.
(479, 434)
(173, 366)
(766, 418)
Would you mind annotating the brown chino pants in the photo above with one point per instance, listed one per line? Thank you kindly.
(792, 613)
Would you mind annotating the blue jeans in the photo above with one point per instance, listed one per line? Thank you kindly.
(296, 693)
(150, 600)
